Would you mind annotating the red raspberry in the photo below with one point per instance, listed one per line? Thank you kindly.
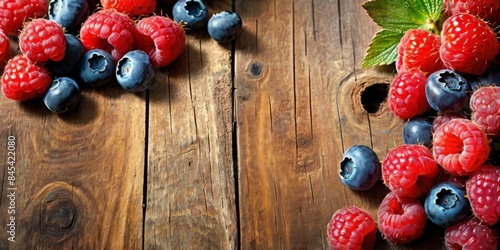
(24, 79)
(42, 40)
(442, 118)
(470, 235)
(131, 7)
(161, 37)
(401, 220)
(486, 9)
(468, 44)
(483, 189)
(485, 107)
(4, 48)
(110, 31)
(460, 146)
(407, 94)
(351, 228)
(14, 12)
(419, 49)
(409, 170)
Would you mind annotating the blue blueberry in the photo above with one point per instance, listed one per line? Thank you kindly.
(418, 130)
(68, 13)
(224, 26)
(447, 91)
(97, 67)
(62, 96)
(193, 13)
(446, 204)
(135, 71)
(74, 51)
(489, 78)
(359, 168)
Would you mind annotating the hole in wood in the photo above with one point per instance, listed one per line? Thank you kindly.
(373, 96)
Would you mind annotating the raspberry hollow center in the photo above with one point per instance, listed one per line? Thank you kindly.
(446, 199)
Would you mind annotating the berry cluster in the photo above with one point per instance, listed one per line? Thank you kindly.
(64, 45)
(447, 89)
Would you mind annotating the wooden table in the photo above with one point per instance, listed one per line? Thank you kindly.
(235, 146)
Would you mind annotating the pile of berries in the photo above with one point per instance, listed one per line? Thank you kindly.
(447, 172)
(64, 45)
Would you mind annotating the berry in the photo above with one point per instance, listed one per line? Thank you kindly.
(193, 13)
(419, 49)
(132, 8)
(4, 48)
(418, 130)
(468, 44)
(161, 38)
(135, 72)
(446, 204)
(110, 31)
(409, 170)
(62, 96)
(447, 91)
(442, 118)
(491, 77)
(407, 94)
(483, 189)
(351, 228)
(97, 67)
(401, 220)
(42, 40)
(470, 235)
(68, 13)
(13, 13)
(72, 55)
(460, 146)
(24, 79)
(359, 168)
(485, 107)
(224, 26)
(485, 9)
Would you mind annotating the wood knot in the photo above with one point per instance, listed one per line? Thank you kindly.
(255, 69)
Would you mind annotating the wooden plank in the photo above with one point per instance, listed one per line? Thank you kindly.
(190, 179)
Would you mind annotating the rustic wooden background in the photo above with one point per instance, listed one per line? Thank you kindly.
(236, 146)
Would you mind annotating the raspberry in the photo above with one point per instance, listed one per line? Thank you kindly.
(42, 40)
(470, 235)
(131, 7)
(460, 146)
(485, 9)
(483, 189)
(409, 170)
(442, 118)
(110, 31)
(4, 48)
(407, 94)
(468, 44)
(485, 107)
(161, 38)
(14, 12)
(419, 49)
(23, 79)
(351, 228)
(401, 220)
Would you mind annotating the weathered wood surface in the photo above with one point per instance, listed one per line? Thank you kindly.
(236, 146)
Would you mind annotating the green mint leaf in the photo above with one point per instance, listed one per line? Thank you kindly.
(383, 48)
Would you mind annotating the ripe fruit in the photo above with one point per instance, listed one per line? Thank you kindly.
(470, 234)
(62, 96)
(4, 48)
(417, 130)
(468, 44)
(23, 79)
(97, 67)
(161, 38)
(224, 26)
(42, 40)
(72, 55)
(419, 49)
(135, 72)
(442, 118)
(192, 13)
(13, 13)
(409, 170)
(351, 228)
(359, 168)
(460, 146)
(131, 7)
(485, 107)
(485, 9)
(491, 77)
(446, 204)
(407, 94)
(68, 13)
(483, 189)
(401, 220)
(447, 91)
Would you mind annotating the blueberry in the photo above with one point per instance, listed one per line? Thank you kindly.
(418, 130)
(359, 168)
(68, 13)
(193, 13)
(489, 78)
(97, 67)
(224, 26)
(62, 96)
(74, 51)
(447, 91)
(446, 204)
(135, 71)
